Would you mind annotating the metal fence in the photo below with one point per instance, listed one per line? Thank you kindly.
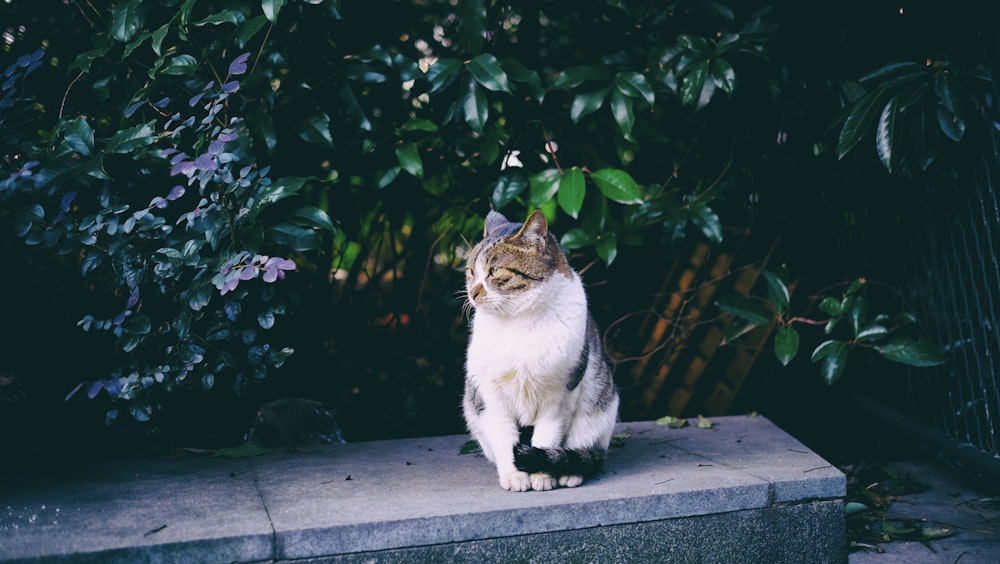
(953, 284)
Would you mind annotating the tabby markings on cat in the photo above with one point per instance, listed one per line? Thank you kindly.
(539, 395)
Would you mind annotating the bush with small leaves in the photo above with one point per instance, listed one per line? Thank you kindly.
(176, 258)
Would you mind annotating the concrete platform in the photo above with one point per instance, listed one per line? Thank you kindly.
(742, 491)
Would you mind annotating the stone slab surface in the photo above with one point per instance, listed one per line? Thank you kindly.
(421, 497)
(138, 511)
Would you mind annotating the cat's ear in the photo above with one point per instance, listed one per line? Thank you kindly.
(535, 229)
(493, 221)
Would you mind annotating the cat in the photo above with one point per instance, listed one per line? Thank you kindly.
(539, 394)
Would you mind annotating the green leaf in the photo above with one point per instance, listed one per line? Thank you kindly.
(911, 95)
(138, 324)
(231, 16)
(276, 191)
(316, 129)
(471, 25)
(618, 441)
(353, 108)
(297, 238)
(441, 72)
(888, 136)
(363, 72)
(856, 308)
(786, 344)
(572, 188)
(823, 349)
(859, 121)
(777, 290)
(388, 176)
(672, 422)
(271, 9)
(834, 362)
(607, 247)
(854, 287)
(949, 92)
(635, 85)
(409, 158)
(912, 352)
(475, 107)
(621, 110)
(520, 73)
(574, 76)
(470, 447)
(78, 136)
(737, 329)
(135, 43)
(872, 333)
(180, 65)
(487, 71)
(852, 507)
(723, 75)
(140, 412)
(262, 126)
(706, 221)
(576, 238)
(128, 140)
(744, 308)
(617, 185)
(511, 183)
(126, 20)
(266, 319)
(894, 73)
(314, 217)
(247, 30)
(694, 43)
(419, 124)
(587, 102)
(158, 37)
(951, 125)
(693, 86)
(831, 306)
(544, 186)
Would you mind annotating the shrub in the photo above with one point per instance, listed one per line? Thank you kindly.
(195, 154)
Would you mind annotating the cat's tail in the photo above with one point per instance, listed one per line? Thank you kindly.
(559, 461)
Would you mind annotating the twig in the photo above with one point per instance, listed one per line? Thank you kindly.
(817, 468)
(718, 179)
(62, 105)
(427, 266)
(677, 167)
(548, 149)
(260, 52)
(807, 321)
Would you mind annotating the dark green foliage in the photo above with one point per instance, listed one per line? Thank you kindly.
(886, 335)
(210, 169)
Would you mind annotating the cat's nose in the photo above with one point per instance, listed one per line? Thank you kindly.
(477, 293)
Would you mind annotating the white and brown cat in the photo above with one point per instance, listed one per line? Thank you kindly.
(535, 366)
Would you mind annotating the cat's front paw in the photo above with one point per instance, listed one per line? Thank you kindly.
(540, 482)
(570, 481)
(516, 481)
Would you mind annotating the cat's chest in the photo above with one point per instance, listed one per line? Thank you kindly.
(504, 349)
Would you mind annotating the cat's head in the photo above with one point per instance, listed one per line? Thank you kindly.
(508, 271)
